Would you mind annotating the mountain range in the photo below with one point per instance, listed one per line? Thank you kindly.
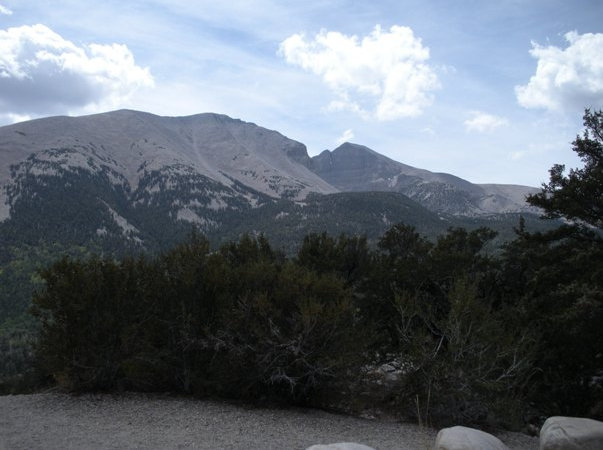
(352, 167)
(135, 176)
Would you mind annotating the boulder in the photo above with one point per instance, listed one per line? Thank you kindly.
(340, 446)
(569, 433)
(463, 438)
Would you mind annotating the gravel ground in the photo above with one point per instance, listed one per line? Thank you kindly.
(60, 421)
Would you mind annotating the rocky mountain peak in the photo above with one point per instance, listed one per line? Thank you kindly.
(353, 167)
(210, 159)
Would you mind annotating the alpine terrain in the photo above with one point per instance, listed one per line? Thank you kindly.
(146, 179)
(352, 167)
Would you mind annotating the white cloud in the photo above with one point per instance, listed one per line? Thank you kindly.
(385, 75)
(483, 123)
(347, 136)
(570, 78)
(41, 72)
(4, 10)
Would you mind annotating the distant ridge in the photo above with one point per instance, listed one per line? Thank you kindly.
(352, 167)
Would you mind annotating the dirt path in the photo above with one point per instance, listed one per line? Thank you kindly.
(59, 421)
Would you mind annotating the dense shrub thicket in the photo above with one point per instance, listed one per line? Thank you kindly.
(471, 337)
(246, 322)
(242, 322)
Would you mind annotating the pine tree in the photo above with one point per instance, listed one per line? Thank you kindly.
(578, 196)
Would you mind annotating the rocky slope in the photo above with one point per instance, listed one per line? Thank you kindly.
(133, 175)
(141, 178)
(352, 167)
(223, 158)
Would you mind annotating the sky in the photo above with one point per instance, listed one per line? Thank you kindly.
(491, 91)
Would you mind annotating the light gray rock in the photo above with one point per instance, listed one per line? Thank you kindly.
(230, 151)
(131, 143)
(463, 438)
(352, 167)
(340, 446)
(569, 433)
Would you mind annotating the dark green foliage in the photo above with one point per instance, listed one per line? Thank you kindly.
(353, 213)
(82, 312)
(242, 322)
(18, 372)
(579, 195)
(460, 253)
(288, 338)
(401, 265)
(368, 214)
(68, 219)
(409, 265)
(348, 256)
(554, 282)
(19, 278)
(247, 322)
(555, 279)
(405, 260)
(460, 353)
(468, 364)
